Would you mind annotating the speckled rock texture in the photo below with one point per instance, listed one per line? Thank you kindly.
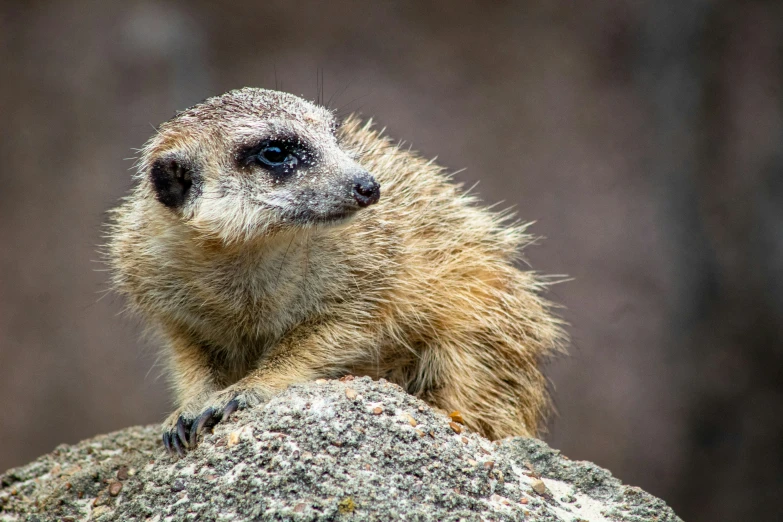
(353, 449)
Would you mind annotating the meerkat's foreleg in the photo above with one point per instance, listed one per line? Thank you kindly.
(309, 352)
(194, 381)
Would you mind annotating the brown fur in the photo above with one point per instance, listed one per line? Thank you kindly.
(420, 288)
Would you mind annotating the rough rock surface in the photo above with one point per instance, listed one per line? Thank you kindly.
(349, 449)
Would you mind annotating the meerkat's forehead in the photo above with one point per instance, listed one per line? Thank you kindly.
(251, 107)
(238, 119)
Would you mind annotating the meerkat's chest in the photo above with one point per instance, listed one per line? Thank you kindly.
(237, 301)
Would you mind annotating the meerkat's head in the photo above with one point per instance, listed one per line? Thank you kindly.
(251, 163)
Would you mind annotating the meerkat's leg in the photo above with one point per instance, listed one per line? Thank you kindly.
(494, 398)
(194, 381)
(309, 352)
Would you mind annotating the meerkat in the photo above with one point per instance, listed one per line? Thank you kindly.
(269, 243)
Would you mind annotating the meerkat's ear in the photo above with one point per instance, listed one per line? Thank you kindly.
(171, 180)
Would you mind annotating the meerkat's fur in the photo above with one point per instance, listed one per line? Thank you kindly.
(258, 275)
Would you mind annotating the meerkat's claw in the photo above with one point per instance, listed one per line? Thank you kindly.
(172, 444)
(182, 435)
(231, 407)
(205, 421)
(175, 439)
(177, 436)
(167, 443)
(178, 446)
(183, 427)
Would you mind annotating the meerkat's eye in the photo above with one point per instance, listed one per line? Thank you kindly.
(279, 156)
(275, 155)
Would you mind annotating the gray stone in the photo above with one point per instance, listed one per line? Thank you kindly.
(315, 452)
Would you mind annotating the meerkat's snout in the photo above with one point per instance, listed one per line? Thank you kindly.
(366, 190)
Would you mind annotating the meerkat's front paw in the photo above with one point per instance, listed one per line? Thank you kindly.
(182, 428)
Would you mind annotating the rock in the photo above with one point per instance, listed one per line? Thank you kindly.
(314, 452)
(115, 488)
(538, 486)
(456, 417)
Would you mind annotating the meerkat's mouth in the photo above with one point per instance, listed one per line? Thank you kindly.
(333, 219)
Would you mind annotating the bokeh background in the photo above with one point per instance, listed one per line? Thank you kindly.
(645, 138)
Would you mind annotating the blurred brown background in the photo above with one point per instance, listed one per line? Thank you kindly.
(646, 139)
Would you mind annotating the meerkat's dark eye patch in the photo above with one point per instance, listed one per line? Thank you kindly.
(279, 156)
(171, 180)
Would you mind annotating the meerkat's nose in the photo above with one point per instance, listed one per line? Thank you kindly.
(366, 190)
